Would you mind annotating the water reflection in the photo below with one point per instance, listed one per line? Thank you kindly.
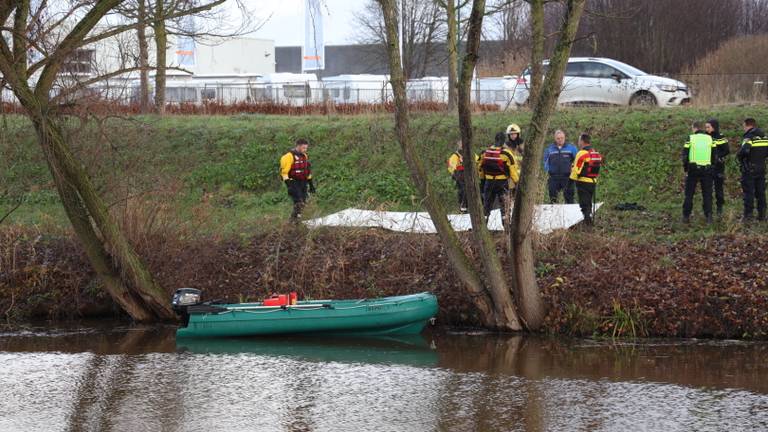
(411, 350)
(119, 378)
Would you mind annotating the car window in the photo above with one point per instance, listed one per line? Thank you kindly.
(599, 70)
(575, 69)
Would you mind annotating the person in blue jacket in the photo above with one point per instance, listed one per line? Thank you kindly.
(558, 160)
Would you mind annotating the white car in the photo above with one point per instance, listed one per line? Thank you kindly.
(592, 80)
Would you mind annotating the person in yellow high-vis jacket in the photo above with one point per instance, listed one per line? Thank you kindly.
(498, 169)
(697, 162)
(456, 170)
(296, 173)
(585, 171)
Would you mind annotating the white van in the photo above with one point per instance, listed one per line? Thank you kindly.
(595, 80)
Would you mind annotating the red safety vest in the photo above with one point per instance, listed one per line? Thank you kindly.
(301, 167)
(492, 163)
(591, 167)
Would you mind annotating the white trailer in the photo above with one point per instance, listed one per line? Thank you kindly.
(362, 88)
(427, 89)
(495, 90)
(224, 89)
(288, 88)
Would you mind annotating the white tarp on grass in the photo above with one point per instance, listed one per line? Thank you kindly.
(548, 217)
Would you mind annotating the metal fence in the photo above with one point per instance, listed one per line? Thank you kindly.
(710, 89)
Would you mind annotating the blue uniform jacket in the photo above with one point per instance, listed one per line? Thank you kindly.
(558, 161)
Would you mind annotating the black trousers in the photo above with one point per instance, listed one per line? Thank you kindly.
(586, 192)
(753, 187)
(555, 184)
(495, 189)
(297, 190)
(702, 176)
(719, 182)
(461, 188)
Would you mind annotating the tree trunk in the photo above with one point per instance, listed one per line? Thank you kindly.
(503, 301)
(161, 45)
(94, 248)
(453, 53)
(529, 298)
(537, 50)
(124, 258)
(141, 32)
(456, 256)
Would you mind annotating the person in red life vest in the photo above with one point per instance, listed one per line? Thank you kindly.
(456, 169)
(586, 169)
(296, 172)
(498, 167)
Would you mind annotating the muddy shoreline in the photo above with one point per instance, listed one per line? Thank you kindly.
(716, 287)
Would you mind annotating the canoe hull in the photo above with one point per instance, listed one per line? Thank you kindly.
(373, 317)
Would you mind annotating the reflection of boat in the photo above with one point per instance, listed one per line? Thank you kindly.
(366, 317)
(410, 350)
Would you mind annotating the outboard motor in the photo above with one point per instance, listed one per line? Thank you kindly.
(182, 299)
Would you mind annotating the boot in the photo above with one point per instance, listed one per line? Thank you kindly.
(709, 219)
(687, 220)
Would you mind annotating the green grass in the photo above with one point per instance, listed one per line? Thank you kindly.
(221, 172)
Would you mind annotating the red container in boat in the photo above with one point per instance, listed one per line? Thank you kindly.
(276, 300)
(293, 298)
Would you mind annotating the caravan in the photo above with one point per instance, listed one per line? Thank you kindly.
(495, 90)
(288, 88)
(427, 89)
(223, 89)
(367, 89)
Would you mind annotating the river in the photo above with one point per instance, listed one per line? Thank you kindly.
(113, 377)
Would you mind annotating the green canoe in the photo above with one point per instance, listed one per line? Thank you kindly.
(366, 317)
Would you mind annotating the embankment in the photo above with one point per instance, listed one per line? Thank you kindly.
(714, 287)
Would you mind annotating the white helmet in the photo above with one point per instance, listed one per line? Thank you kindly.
(513, 128)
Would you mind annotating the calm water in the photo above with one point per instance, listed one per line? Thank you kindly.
(132, 379)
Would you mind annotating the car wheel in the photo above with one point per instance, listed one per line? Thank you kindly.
(643, 99)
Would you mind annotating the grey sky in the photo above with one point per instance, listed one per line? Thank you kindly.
(286, 26)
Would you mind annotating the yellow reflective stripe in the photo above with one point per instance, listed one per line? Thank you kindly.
(721, 141)
(760, 143)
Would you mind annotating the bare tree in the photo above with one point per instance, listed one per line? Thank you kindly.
(526, 289)
(491, 294)
(460, 263)
(655, 35)
(423, 27)
(187, 20)
(46, 90)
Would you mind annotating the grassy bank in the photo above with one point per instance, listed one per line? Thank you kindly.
(219, 174)
(201, 199)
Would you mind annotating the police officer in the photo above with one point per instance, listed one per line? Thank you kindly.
(296, 172)
(697, 157)
(456, 170)
(497, 165)
(712, 127)
(752, 155)
(585, 171)
(558, 160)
